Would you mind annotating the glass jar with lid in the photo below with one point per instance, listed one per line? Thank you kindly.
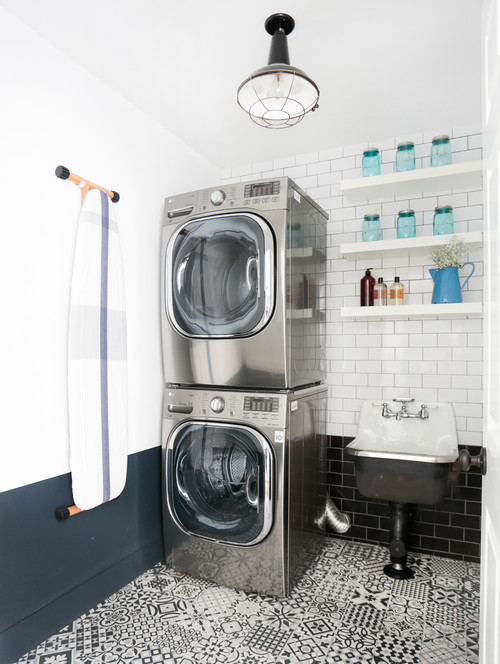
(371, 228)
(405, 157)
(443, 220)
(295, 236)
(371, 162)
(441, 151)
(406, 224)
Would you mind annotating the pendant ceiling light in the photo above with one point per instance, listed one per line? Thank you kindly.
(278, 95)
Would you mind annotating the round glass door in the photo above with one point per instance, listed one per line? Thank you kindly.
(220, 482)
(220, 276)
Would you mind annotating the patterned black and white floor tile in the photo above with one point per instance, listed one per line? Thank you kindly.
(344, 610)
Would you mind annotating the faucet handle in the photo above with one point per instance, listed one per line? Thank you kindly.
(403, 399)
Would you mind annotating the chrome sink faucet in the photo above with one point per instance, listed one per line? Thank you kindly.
(403, 413)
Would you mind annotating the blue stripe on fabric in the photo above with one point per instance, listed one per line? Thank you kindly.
(106, 479)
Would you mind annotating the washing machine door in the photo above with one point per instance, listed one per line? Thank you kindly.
(219, 279)
(220, 482)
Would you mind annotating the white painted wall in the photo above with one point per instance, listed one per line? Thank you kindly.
(430, 360)
(54, 112)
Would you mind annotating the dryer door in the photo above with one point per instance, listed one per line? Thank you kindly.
(219, 276)
(220, 482)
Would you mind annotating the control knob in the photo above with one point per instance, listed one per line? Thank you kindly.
(217, 197)
(217, 404)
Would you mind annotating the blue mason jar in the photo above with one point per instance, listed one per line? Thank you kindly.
(371, 162)
(406, 224)
(371, 228)
(405, 157)
(443, 220)
(441, 151)
(295, 236)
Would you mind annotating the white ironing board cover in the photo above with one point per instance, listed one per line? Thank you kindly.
(97, 358)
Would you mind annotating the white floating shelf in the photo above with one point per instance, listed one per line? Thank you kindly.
(300, 314)
(305, 253)
(438, 178)
(408, 246)
(460, 309)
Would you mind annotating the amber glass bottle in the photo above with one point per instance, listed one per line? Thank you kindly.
(366, 294)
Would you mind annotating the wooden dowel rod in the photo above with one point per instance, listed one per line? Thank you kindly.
(65, 174)
(63, 513)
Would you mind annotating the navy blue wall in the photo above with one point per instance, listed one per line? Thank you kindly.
(53, 571)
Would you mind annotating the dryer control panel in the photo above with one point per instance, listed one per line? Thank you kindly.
(260, 409)
(260, 195)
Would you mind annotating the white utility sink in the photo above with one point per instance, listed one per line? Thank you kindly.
(431, 440)
(404, 460)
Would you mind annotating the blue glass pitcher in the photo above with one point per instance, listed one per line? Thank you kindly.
(447, 286)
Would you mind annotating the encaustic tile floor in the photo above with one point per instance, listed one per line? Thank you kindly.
(344, 609)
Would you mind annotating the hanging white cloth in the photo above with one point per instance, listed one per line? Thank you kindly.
(97, 358)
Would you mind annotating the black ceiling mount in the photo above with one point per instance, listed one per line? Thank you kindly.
(279, 26)
(277, 21)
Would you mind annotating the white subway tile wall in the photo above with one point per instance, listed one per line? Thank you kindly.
(431, 360)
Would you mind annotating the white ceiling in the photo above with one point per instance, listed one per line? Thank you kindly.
(385, 68)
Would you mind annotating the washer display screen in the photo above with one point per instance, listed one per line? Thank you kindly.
(261, 404)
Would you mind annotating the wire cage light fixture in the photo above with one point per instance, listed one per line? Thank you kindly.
(278, 95)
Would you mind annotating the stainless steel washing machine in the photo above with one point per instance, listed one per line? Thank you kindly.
(243, 287)
(241, 478)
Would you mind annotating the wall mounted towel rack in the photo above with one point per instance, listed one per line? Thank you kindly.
(65, 174)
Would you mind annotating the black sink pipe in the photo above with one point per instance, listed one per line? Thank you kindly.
(401, 514)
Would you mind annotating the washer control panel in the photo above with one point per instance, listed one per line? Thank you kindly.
(258, 408)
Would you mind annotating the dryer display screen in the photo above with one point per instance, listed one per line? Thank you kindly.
(261, 404)
(262, 189)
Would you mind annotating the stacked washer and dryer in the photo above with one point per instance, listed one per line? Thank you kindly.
(243, 292)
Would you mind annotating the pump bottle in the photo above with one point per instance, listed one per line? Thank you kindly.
(366, 294)
(396, 293)
(380, 293)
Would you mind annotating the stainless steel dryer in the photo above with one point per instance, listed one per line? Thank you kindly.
(243, 286)
(241, 476)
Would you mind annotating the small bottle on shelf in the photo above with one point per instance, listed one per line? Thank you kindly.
(396, 293)
(306, 294)
(366, 293)
(380, 293)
